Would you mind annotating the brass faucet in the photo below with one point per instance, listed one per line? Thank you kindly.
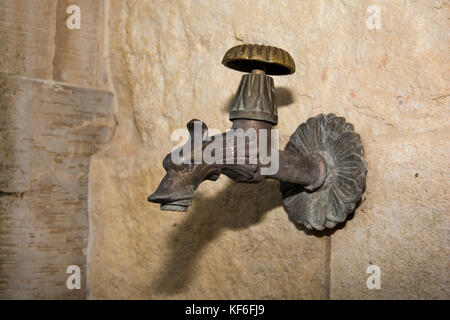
(322, 171)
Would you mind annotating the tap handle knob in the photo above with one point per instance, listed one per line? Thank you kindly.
(251, 57)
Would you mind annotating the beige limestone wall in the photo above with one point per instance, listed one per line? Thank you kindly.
(236, 241)
(55, 112)
(156, 65)
(402, 110)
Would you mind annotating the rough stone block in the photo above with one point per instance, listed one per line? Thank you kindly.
(402, 225)
(48, 133)
(27, 31)
(79, 53)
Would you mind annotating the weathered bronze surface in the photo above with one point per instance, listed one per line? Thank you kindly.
(249, 57)
(322, 169)
(255, 99)
(176, 189)
(341, 148)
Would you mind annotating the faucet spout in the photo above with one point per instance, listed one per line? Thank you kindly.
(240, 161)
(170, 205)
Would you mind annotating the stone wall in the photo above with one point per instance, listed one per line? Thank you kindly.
(236, 241)
(87, 117)
(55, 112)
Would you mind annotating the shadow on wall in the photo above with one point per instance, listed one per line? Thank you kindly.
(238, 206)
(210, 216)
(233, 208)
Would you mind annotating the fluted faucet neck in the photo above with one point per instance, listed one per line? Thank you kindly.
(255, 99)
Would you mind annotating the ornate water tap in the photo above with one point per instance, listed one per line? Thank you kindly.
(322, 171)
